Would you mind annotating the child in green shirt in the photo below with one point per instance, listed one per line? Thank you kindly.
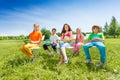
(95, 39)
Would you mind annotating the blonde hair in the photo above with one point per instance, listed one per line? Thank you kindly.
(78, 29)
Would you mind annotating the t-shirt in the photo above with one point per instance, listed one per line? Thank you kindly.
(98, 35)
(53, 38)
(35, 36)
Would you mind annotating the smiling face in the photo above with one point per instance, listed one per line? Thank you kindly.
(66, 27)
(95, 29)
(53, 32)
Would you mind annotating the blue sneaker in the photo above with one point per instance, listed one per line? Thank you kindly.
(87, 61)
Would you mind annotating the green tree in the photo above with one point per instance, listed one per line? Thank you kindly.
(118, 31)
(58, 33)
(46, 32)
(112, 30)
(105, 29)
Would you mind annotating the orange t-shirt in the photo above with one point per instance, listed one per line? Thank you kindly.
(35, 36)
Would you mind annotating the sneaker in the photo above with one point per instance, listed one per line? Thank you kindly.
(87, 61)
(101, 64)
(65, 61)
(33, 59)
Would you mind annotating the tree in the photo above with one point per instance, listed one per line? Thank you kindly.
(112, 30)
(46, 32)
(105, 29)
(118, 31)
(58, 33)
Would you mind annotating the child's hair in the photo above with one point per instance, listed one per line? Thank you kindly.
(36, 24)
(53, 29)
(96, 26)
(78, 29)
(63, 30)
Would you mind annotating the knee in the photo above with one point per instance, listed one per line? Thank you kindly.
(102, 46)
(25, 46)
(62, 48)
(44, 45)
(85, 46)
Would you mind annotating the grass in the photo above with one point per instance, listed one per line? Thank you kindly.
(14, 65)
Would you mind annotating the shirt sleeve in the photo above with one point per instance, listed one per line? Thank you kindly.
(89, 36)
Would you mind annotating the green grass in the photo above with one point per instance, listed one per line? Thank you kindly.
(14, 65)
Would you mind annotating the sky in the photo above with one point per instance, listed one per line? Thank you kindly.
(18, 16)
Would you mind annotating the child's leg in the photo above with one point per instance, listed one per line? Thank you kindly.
(102, 50)
(74, 47)
(78, 45)
(61, 44)
(22, 48)
(54, 46)
(64, 51)
(45, 46)
(28, 47)
(86, 49)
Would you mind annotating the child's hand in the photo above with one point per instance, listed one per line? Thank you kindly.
(96, 39)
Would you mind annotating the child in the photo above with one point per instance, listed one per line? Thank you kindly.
(95, 39)
(35, 38)
(79, 41)
(65, 42)
(53, 41)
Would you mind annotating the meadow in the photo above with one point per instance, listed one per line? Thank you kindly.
(14, 65)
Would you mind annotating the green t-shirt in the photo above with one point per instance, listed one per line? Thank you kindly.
(98, 35)
(48, 41)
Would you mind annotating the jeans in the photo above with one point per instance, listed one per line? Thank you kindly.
(101, 48)
(63, 44)
(45, 46)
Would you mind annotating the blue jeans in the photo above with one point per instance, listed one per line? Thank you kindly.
(101, 48)
(45, 46)
(63, 44)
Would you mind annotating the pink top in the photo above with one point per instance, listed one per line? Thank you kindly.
(80, 38)
(67, 34)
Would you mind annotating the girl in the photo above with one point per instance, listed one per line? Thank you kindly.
(66, 37)
(79, 41)
(35, 38)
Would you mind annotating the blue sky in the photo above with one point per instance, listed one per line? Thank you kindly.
(18, 16)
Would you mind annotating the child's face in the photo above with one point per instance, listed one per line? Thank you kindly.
(95, 30)
(78, 30)
(66, 28)
(36, 27)
(53, 32)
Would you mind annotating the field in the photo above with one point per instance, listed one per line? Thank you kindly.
(14, 65)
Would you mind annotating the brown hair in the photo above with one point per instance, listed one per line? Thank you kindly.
(63, 30)
(96, 26)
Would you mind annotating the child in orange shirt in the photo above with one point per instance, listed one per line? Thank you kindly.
(35, 38)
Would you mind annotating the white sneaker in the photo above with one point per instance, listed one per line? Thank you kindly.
(66, 61)
(87, 61)
(101, 64)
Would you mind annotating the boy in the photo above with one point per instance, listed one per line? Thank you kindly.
(53, 41)
(95, 39)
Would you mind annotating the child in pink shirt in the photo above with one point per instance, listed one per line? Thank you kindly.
(79, 41)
